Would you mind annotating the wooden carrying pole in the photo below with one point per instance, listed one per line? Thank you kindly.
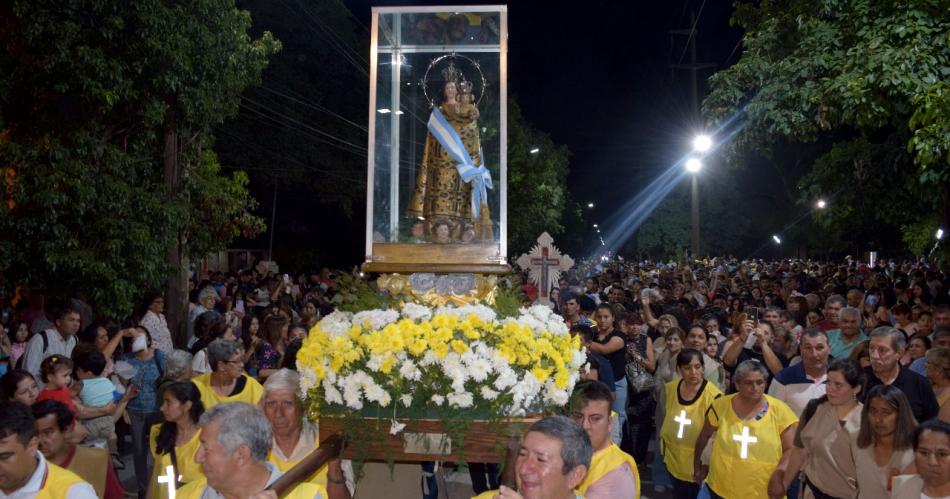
(329, 449)
(508, 473)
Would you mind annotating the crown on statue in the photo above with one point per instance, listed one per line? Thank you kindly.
(465, 87)
(451, 73)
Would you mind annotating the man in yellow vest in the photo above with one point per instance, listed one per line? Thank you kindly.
(53, 420)
(613, 473)
(295, 437)
(24, 472)
(554, 456)
(235, 441)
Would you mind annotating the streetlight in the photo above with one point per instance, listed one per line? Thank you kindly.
(939, 234)
(821, 204)
(595, 226)
(702, 143)
(776, 239)
(534, 150)
(590, 204)
(693, 165)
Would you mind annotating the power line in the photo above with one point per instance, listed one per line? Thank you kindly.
(331, 39)
(313, 105)
(271, 121)
(305, 125)
(692, 31)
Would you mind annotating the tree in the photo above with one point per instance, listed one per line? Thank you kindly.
(864, 81)
(107, 109)
(537, 184)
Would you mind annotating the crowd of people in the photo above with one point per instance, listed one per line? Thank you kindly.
(825, 380)
(819, 379)
(99, 389)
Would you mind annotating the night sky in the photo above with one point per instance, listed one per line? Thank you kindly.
(596, 76)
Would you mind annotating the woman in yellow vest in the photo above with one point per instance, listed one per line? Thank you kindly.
(753, 431)
(686, 402)
(175, 442)
(227, 382)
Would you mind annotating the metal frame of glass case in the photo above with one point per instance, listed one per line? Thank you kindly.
(386, 199)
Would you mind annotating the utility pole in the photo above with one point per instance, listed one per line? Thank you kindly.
(693, 67)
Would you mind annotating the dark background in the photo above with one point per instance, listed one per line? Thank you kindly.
(595, 75)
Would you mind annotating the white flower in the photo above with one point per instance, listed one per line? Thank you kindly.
(375, 362)
(377, 319)
(578, 359)
(461, 400)
(488, 393)
(406, 400)
(479, 369)
(553, 395)
(506, 379)
(336, 324)
(308, 379)
(416, 312)
(396, 427)
(438, 400)
(332, 395)
(375, 393)
(409, 371)
(428, 359)
(351, 394)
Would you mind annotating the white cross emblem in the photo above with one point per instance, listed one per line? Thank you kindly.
(745, 439)
(169, 478)
(683, 421)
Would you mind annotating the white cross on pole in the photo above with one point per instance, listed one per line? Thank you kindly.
(683, 421)
(745, 439)
(169, 479)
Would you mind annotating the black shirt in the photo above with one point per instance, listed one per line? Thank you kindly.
(617, 359)
(915, 387)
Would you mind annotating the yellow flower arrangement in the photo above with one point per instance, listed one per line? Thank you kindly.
(450, 358)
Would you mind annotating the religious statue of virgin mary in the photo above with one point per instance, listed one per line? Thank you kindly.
(451, 183)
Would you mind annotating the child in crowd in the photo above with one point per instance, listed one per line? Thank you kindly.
(57, 374)
(97, 391)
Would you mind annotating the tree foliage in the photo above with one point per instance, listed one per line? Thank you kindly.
(866, 81)
(537, 184)
(88, 88)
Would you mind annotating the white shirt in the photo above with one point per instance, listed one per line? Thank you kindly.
(158, 327)
(80, 490)
(34, 354)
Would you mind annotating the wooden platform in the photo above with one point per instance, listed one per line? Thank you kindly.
(428, 440)
(478, 258)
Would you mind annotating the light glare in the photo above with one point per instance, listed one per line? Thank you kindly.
(821, 204)
(702, 143)
(776, 239)
(693, 165)
(939, 234)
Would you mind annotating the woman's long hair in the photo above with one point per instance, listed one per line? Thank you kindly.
(904, 431)
(183, 391)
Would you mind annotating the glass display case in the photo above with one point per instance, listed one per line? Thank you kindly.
(436, 178)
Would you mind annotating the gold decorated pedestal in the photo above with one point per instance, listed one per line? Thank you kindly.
(439, 258)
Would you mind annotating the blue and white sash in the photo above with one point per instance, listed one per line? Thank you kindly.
(469, 172)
